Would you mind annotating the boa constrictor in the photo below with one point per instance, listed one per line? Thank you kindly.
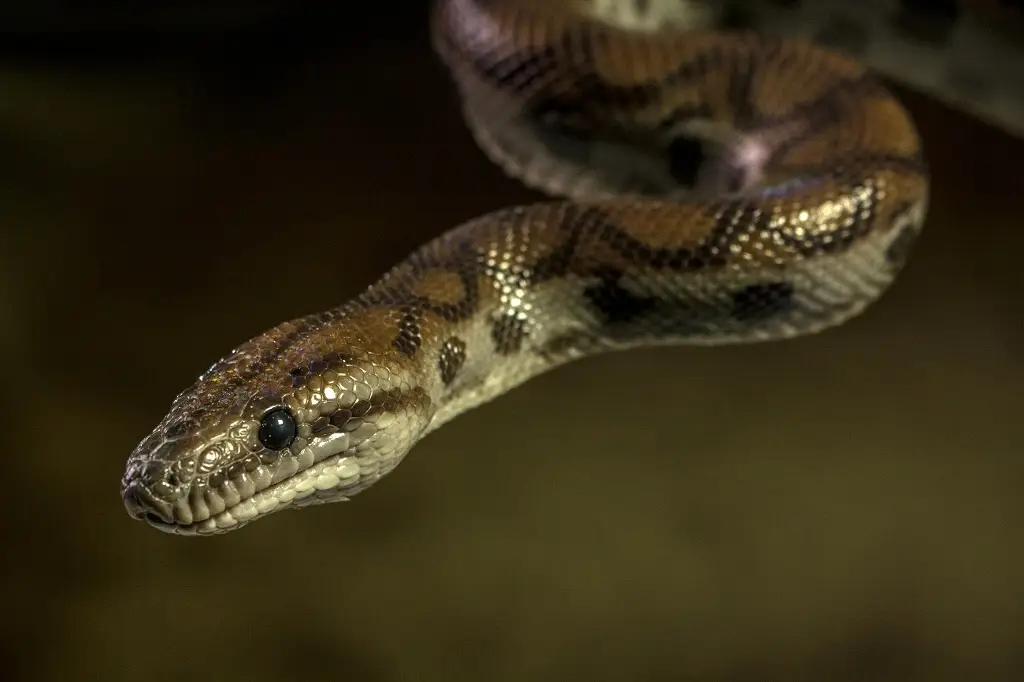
(716, 188)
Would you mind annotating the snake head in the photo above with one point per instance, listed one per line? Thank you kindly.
(283, 421)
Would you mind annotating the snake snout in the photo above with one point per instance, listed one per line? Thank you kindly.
(142, 505)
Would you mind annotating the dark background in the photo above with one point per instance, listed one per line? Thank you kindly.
(842, 507)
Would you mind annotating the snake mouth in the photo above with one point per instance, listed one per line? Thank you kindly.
(328, 478)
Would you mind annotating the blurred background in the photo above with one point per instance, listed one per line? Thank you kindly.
(842, 507)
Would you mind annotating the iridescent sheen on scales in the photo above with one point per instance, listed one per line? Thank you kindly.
(716, 188)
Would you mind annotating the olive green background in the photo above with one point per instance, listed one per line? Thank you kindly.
(842, 507)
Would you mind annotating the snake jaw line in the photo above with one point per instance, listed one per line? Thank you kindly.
(333, 468)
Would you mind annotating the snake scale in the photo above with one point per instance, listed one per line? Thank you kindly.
(707, 188)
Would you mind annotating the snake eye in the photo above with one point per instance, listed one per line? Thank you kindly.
(277, 429)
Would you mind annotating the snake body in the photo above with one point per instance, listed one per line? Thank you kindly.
(716, 188)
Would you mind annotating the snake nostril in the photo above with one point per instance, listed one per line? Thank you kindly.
(142, 506)
(134, 505)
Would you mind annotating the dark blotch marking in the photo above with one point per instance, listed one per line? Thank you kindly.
(682, 259)
(762, 301)
(455, 312)
(302, 373)
(461, 258)
(708, 253)
(592, 98)
(452, 357)
(252, 359)
(508, 332)
(391, 400)
(576, 221)
(409, 338)
(614, 302)
(624, 312)
(824, 110)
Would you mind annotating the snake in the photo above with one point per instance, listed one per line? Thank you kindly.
(700, 187)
